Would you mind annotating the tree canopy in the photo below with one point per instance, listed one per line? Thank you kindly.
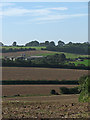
(84, 89)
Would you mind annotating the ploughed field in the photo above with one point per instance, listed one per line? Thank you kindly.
(35, 101)
(27, 53)
(57, 106)
(30, 90)
(31, 73)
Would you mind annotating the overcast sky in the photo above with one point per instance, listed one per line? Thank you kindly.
(24, 22)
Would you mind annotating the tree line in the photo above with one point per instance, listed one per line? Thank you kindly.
(5, 50)
(76, 48)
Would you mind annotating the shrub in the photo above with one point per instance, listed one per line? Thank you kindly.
(84, 89)
(65, 90)
(17, 95)
(53, 92)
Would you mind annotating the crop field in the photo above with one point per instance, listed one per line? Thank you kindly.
(40, 53)
(60, 106)
(31, 73)
(31, 90)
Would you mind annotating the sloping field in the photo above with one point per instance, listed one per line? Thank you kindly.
(28, 73)
(27, 53)
(12, 90)
(40, 52)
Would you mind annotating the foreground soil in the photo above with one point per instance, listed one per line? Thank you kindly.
(25, 73)
(60, 106)
(12, 90)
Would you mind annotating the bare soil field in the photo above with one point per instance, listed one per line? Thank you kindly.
(27, 53)
(11, 90)
(28, 73)
(60, 106)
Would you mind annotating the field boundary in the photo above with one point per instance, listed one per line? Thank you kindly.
(38, 82)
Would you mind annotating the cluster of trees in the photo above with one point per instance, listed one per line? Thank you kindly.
(36, 43)
(83, 89)
(45, 61)
(65, 90)
(76, 48)
(50, 61)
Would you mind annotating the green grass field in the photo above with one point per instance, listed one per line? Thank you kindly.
(68, 55)
(85, 62)
(38, 48)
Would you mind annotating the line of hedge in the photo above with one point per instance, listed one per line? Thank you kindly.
(4, 50)
(45, 66)
(65, 90)
(26, 82)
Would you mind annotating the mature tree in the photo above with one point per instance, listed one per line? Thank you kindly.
(56, 59)
(14, 43)
(52, 43)
(62, 57)
(42, 44)
(61, 43)
(1, 44)
(46, 43)
(33, 43)
(70, 43)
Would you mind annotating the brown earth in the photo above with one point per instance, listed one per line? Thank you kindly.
(60, 106)
(31, 73)
(11, 90)
(27, 53)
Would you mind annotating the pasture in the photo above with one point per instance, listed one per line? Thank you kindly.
(85, 62)
(32, 73)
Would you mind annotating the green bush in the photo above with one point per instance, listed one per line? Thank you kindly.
(65, 90)
(84, 89)
(53, 92)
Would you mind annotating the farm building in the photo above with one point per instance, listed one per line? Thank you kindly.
(22, 58)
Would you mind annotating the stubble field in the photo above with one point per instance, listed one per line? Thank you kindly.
(29, 73)
(33, 90)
